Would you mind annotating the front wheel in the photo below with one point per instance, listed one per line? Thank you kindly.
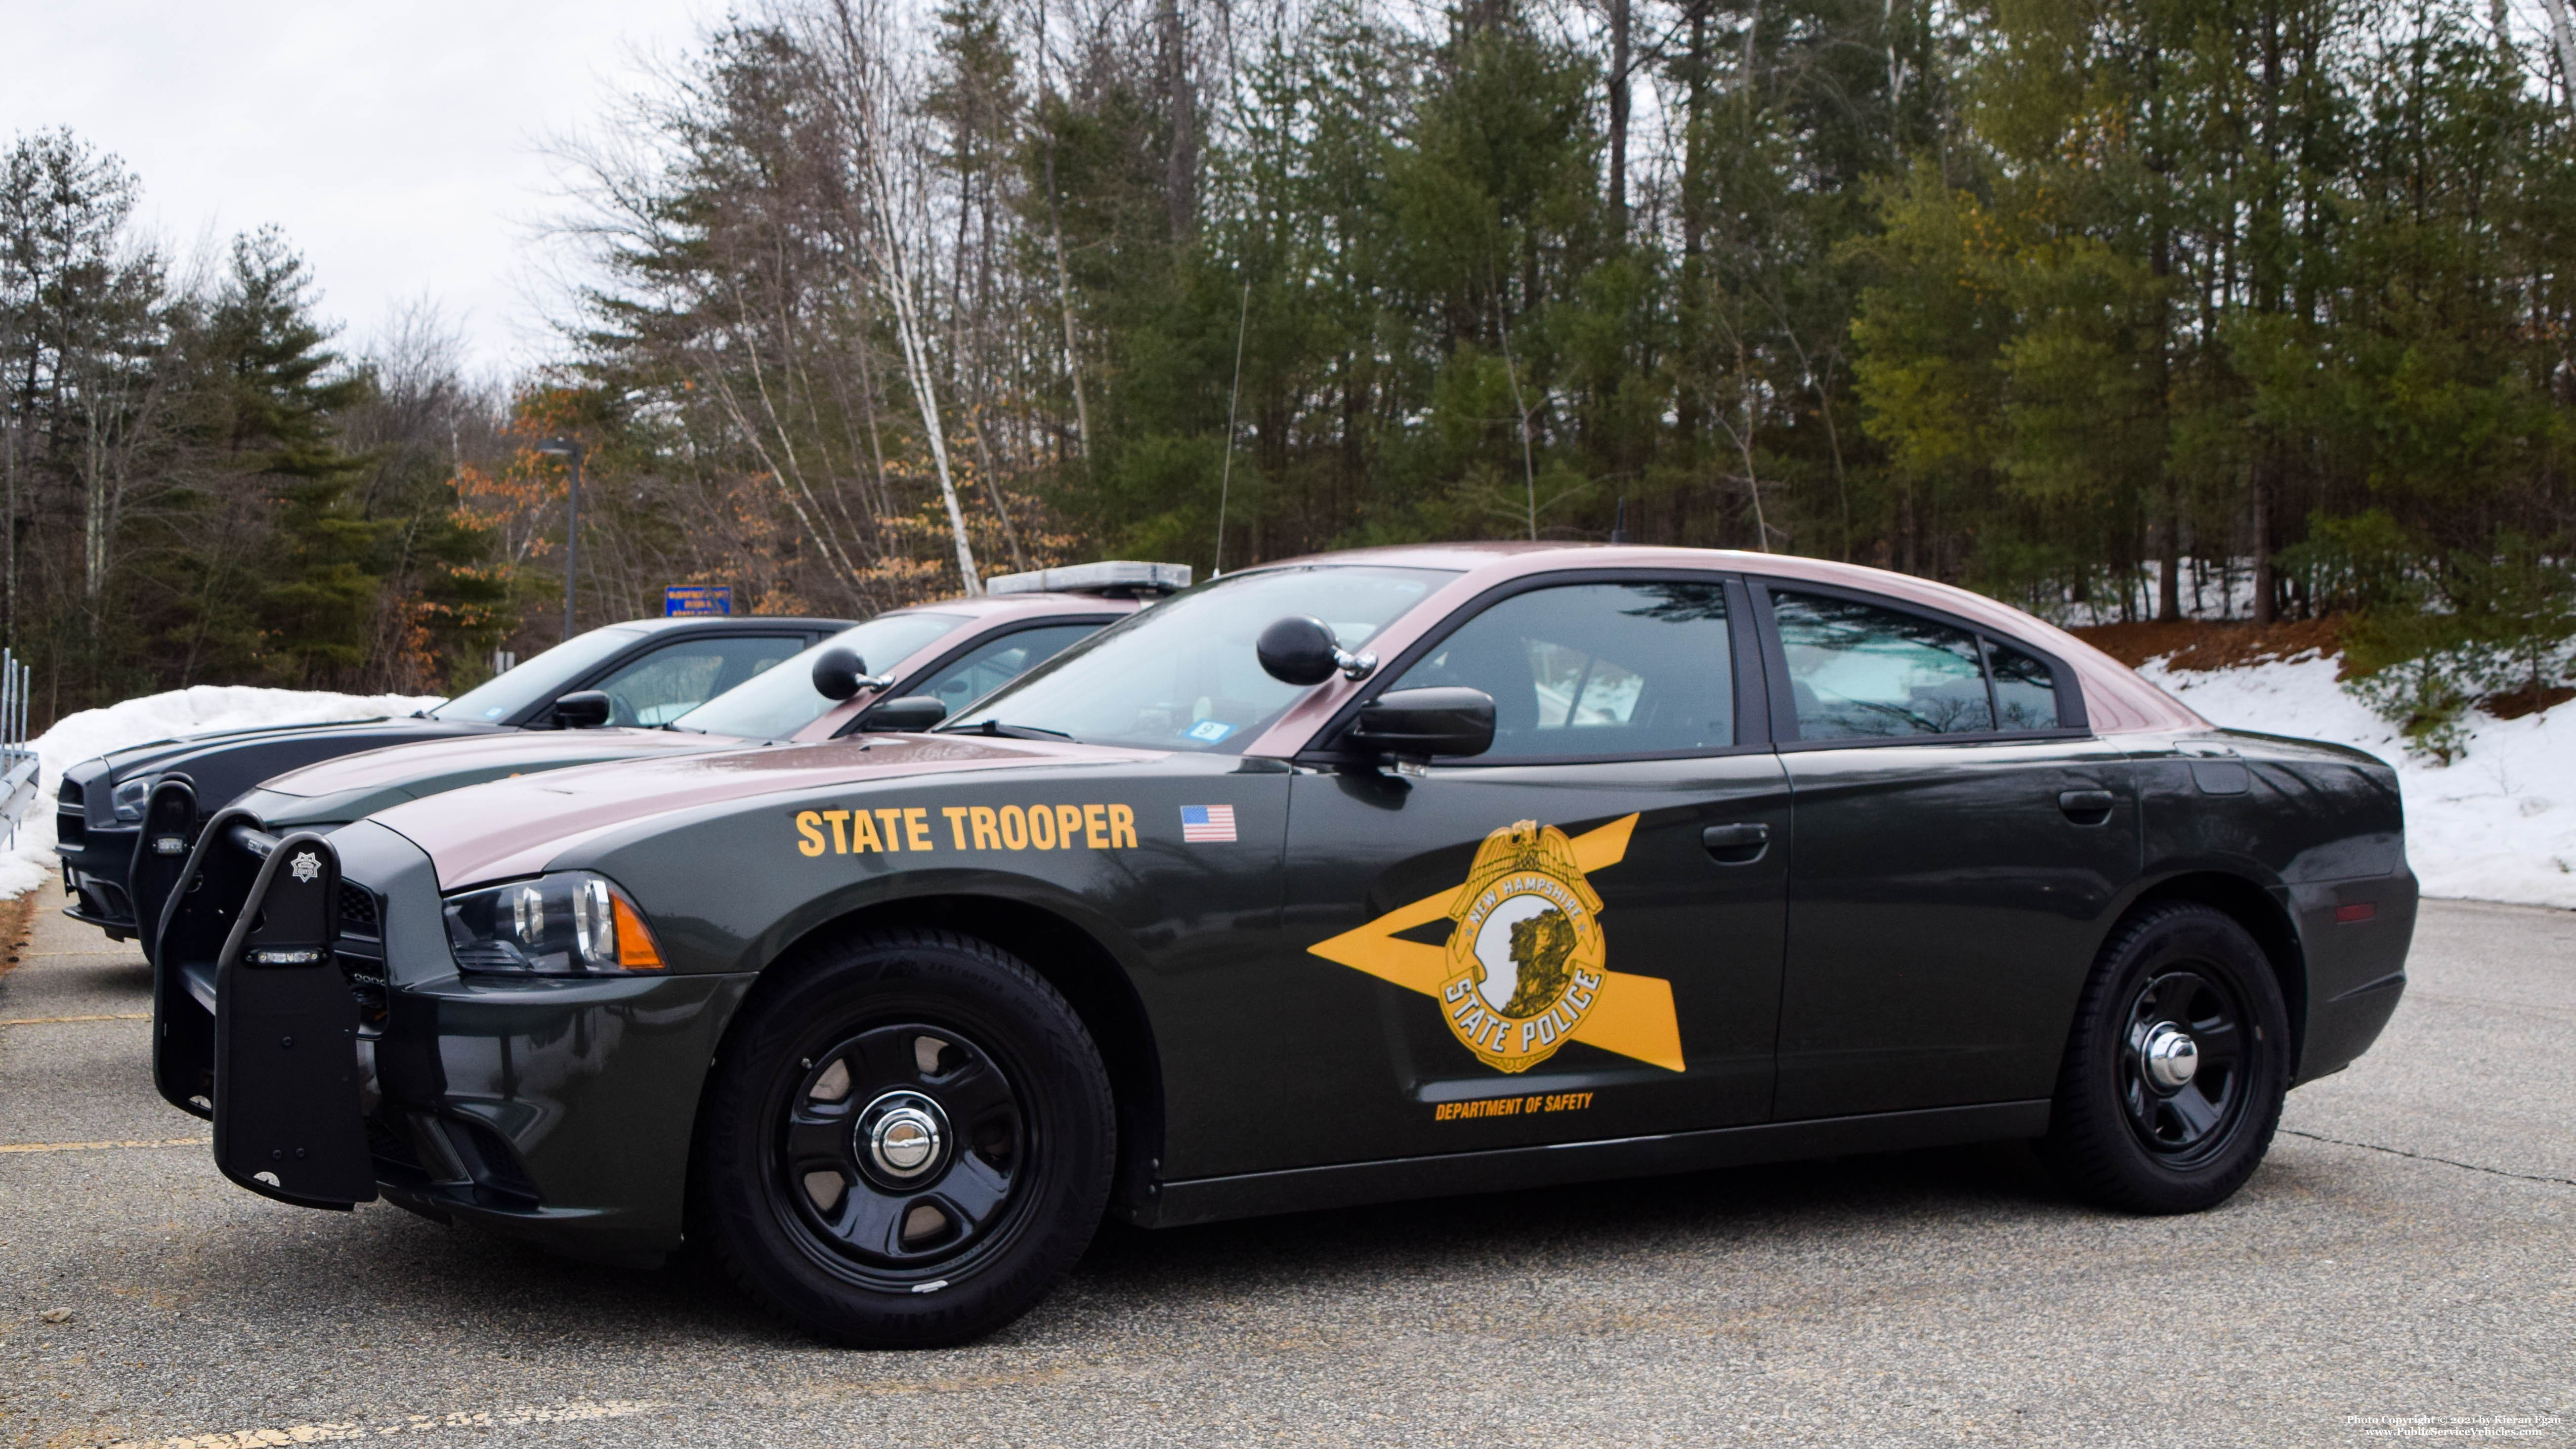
(2175, 1071)
(909, 1140)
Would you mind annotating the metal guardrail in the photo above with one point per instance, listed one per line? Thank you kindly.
(17, 759)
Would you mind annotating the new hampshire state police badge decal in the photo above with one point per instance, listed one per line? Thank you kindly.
(1525, 969)
(1525, 948)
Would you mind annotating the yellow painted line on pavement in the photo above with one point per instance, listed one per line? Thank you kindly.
(102, 1146)
(52, 1020)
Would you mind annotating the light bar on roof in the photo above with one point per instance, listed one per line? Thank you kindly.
(1105, 576)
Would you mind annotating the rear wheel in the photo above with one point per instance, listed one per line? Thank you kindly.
(2175, 1073)
(909, 1140)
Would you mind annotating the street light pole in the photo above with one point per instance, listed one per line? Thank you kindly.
(569, 448)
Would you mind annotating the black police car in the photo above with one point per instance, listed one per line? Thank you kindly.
(649, 670)
(1386, 874)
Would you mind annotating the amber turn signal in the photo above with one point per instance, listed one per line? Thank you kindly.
(636, 949)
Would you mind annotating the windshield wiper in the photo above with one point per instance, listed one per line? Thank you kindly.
(998, 730)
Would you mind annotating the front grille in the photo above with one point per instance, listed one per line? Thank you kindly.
(71, 794)
(362, 954)
(388, 1146)
(71, 827)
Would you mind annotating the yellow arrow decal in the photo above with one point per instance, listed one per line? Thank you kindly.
(1633, 1016)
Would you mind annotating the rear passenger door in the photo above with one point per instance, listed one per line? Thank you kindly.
(1959, 837)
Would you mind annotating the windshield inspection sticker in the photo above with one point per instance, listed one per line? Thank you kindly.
(1526, 968)
(1210, 730)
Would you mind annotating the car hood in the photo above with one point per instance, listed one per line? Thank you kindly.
(514, 827)
(335, 792)
(152, 755)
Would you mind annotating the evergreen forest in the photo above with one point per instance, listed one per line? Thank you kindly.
(2118, 310)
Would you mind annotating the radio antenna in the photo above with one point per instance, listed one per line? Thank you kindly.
(1225, 474)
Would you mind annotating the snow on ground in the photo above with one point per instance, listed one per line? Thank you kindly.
(30, 860)
(2497, 824)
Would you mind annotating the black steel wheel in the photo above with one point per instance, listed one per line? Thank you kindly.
(900, 1147)
(2183, 1077)
(2176, 1068)
(908, 1140)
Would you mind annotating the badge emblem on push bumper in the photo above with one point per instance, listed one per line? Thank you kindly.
(305, 867)
(1526, 967)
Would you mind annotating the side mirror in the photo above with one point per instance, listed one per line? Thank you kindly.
(1301, 650)
(908, 715)
(1423, 723)
(583, 709)
(839, 672)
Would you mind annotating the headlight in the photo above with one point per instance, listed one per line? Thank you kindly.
(570, 923)
(130, 797)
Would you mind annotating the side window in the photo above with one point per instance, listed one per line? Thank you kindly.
(996, 662)
(1861, 672)
(2025, 688)
(677, 678)
(1596, 669)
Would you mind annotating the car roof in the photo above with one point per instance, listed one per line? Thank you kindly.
(729, 621)
(987, 606)
(2116, 700)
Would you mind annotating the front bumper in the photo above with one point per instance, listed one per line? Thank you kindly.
(557, 1109)
(95, 868)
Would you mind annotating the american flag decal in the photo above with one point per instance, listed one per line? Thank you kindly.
(1206, 824)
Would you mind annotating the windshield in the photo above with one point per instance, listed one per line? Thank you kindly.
(1181, 675)
(776, 703)
(540, 679)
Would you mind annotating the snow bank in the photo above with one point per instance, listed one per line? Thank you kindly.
(30, 861)
(2499, 824)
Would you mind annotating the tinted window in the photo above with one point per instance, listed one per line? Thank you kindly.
(1596, 669)
(1181, 674)
(996, 662)
(1862, 672)
(538, 680)
(677, 678)
(2025, 688)
(783, 700)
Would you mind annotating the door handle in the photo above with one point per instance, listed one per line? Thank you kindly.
(1739, 844)
(2087, 807)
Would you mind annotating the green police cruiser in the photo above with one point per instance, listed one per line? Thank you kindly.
(1377, 875)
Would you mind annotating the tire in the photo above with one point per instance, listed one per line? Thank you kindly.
(907, 1142)
(2123, 1133)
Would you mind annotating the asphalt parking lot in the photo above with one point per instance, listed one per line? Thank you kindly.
(2404, 1266)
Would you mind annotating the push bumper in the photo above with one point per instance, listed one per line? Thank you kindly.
(555, 1109)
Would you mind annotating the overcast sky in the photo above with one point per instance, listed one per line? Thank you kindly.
(396, 143)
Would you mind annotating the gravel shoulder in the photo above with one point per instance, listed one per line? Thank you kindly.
(2409, 1250)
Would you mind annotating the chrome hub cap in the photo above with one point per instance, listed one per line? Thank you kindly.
(902, 1136)
(2169, 1057)
(2183, 1075)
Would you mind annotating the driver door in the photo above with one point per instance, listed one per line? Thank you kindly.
(1577, 935)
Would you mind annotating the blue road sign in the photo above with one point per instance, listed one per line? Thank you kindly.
(697, 599)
